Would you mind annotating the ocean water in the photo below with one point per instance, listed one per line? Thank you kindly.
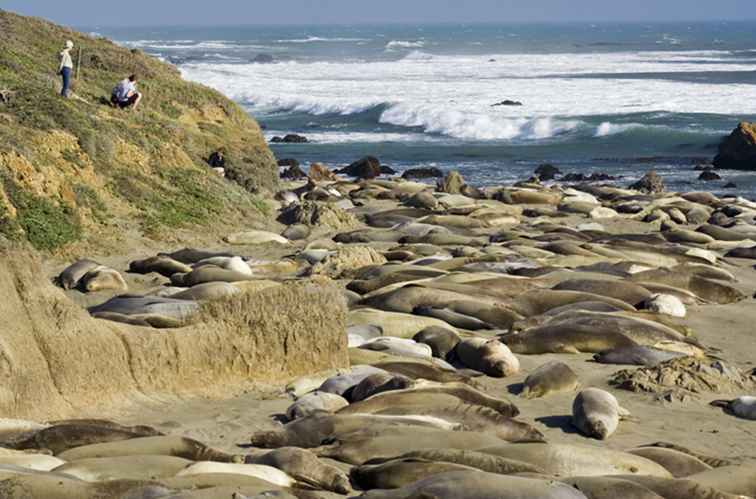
(620, 99)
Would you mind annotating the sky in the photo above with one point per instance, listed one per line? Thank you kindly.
(242, 12)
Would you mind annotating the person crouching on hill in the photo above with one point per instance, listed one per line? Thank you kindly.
(125, 94)
(66, 68)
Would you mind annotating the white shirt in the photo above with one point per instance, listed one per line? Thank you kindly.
(65, 59)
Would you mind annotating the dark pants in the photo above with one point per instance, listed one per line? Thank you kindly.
(66, 74)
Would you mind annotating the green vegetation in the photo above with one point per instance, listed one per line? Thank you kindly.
(152, 161)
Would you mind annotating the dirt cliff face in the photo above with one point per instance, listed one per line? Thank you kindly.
(738, 150)
(73, 169)
(57, 361)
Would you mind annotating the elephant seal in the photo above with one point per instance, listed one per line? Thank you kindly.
(424, 392)
(636, 356)
(261, 471)
(478, 485)
(38, 462)
(596, 413)
(148, 305)
(578, 460)
(539, 301)
(551, 377)
(174, 446)
(742, 407)
(211, 273)
(102, 278)
(207, 291)
(161, 264)
(472, 459)
(419, 369)
(361, 334)
(442, 341)
(625, 291)
(358, 449)
(714, 462)
(124, 468)
(399, 347)
(677, 463)
(233, 263)
(453, 318)
(314, 402)
(65, 435)
(313, 431)
(608, 487)
(379, 383)
(52, 485)
(304, 467)
(70, 277)
(731, 479)
(489, 356)
(682, 488)
(340, 383)
(191, 255)
(397, 473)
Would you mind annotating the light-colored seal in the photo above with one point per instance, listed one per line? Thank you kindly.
(125, 468)
(161, 264)
(731, 479)
(489, 356)
(552, 377)
(678, 463)
(682, 488)
(261, 471)
(102, 279)
(315, 402)
(608, 487)
(473, 459)
(441, 340)
(596, 413)
(304, 467)
(397, 473)
(478, 485)
(636, 356)
(168, 445)
(70, 277)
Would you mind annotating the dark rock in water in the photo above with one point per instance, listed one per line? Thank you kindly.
(424, 172)
(263, 59)
(387, 170)
(731, 185)
(593, 177)
(291, 138)
(708, 175)
(288, 162)
(294, 172)
(702, 168)
(738, 151)
(507, 103)
(366, 168)
(319, 173)
(452, 183)
(217, 159)
(547, 171)
(651, 183)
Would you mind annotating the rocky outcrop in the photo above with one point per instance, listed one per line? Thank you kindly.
(58, 362)
(422, 173)
(310, 213)
(708, 176)
(547, 171)
(294, 172)
(366, 168)
(650, 183)
(291, 138)
(738, 151)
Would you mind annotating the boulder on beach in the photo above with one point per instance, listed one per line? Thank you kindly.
(650, 183)
(423, 172)
(708, 175)
(547, 171)
(293, 172)
(291, 138)
(367, 168)
(738, 150)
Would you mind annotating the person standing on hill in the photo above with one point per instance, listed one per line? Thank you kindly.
(66, 68)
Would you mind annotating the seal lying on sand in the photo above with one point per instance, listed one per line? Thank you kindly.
(102, 278)
(315, 402)
(70, 277)
(186, 448)
(578, 460)
(489, 356)
(125, 468)
(678, 463)
(478, 485)
(397, 473)
(609, 487)
(303, 466)
(66, 435)
(551, 377)
(636, 356)
(596, 413)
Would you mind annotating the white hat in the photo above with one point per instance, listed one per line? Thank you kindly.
(69, 44)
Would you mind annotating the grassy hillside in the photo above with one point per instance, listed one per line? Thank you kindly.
(76, 170)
